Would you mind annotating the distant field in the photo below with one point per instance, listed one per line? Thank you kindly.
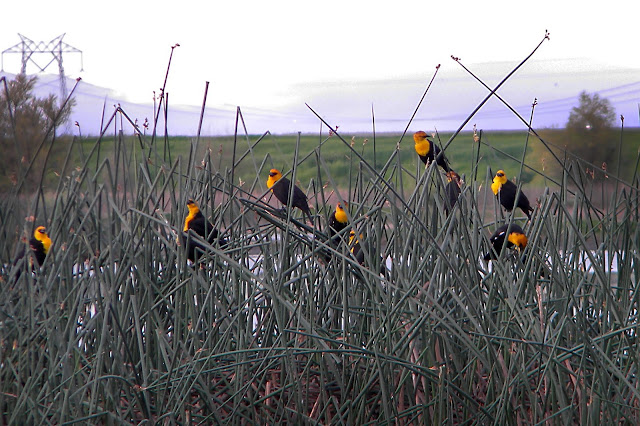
(278, 151)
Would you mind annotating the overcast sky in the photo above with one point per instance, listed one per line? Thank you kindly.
(257, 53)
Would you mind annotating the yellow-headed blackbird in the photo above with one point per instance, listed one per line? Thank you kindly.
(196, 222)
(337, 222)
(516, 239)
(280, 186)
(40, 244)
(356, 250)
(428, 151)
(358, 253)
(506, 190)
(452, 190)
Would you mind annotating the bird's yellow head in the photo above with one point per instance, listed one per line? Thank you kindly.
(41, 235)
(519, 240)
(352, 237)
(274, 176)
(499, 180)
(191, 205)
(422, 144)
(341, 215)
(193, 211)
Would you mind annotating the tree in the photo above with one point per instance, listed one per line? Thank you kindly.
(590, 129)
(25, 122)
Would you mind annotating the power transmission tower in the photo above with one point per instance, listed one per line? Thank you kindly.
(32, 52)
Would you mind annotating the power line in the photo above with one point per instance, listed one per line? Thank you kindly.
(33, 52)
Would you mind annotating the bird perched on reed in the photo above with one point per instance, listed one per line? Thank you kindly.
(280, 187)
(356, 249)
(452, 190)
(337, 222)
(358, 252)
(40, 243)
(506, 191)
(428, 151)
(516, 238)
(195, 222)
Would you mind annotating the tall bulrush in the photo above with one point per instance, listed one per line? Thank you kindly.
(280, 325)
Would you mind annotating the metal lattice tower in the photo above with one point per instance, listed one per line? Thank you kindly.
(32, 52)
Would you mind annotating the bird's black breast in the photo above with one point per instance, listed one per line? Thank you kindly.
(198, 224)
(38, 250)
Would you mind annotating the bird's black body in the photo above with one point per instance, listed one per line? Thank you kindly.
(281, 189)
(358, 253)
(507, 196)
(498, 238)
(335, 226)
(38, 250)
(506, 191)
(434, 154)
